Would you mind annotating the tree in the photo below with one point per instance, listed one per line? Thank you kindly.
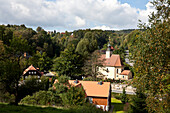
(92, 64)
(62, 85)
(69, 63)
(74, 96)
(88, 44)
(151, 55)
(39, 29)
(124, 96)
(11, 70)
(41, 60)
(138, 103)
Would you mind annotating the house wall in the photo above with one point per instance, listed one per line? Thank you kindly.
(126, 77)
(110, 72)
(33, 73)
(101, 102)
(118, 70)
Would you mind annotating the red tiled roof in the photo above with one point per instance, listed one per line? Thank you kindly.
(114, 60)
(111, 48)
(125, 72)
(31, 67)
(92, 88)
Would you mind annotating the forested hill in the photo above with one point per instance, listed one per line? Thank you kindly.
(52, 43)
(44, 46)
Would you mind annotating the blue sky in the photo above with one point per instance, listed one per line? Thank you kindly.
(136, 3)
(62, 15)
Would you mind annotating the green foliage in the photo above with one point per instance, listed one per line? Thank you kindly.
(5, 108)
(41, 98)
(123, 97)
(41, 60)
(32, 85)
(138, 103)
(60, 88)
(74, 96)
(62, 85)
(89, 79)
(92, 63)
(69, 63)
(88, 44)
(151, 55)
(63, 79)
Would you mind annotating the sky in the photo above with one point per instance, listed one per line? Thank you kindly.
(62, 15)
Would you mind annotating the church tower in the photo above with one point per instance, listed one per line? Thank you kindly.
(108, 52)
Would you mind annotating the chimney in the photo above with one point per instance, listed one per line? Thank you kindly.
(100, 83)
(76, 81)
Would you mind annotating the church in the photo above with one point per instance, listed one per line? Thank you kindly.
(112, 67)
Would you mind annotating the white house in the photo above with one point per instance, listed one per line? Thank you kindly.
(112, 66)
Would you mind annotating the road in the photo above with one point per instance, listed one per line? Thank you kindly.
(127, 92)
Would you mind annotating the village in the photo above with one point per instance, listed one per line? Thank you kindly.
(97, 92)
(92, 56)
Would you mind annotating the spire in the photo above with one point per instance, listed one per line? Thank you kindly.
(108, 52)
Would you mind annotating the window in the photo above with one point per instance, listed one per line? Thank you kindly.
(123, 76)
(107, 70)
(117, 70)
(29, 72)
(90, 99)
(117, 76)
(34, 72)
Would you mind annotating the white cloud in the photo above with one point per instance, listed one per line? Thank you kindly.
(72, 14)
(143, 14)
(103, 27)
(79, 21)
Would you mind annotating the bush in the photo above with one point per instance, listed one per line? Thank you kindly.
(89, 79)
(74, 96)
(6, 97)
(124, 98)
(32, 85)
(42, 98)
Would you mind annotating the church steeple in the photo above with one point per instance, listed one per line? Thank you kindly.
(108, 52)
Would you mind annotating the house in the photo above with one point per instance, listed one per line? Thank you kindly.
(32, 71)
(125, 75)
(98, 93)
(112, 66)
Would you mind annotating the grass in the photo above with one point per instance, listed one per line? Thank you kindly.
(118, 106)
(5, 108)
(88, 108)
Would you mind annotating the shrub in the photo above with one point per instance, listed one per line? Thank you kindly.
(89, 79)
(124, 98)
(74, 96)
(42, 98)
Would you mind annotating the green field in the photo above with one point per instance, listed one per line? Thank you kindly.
(6, 108)
(118, 106)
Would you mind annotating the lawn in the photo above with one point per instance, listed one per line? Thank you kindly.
(118, 106)
(6, 108)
